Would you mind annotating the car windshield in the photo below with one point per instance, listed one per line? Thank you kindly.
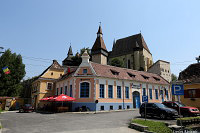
(160, 105)
(27, 105)
(180, 104)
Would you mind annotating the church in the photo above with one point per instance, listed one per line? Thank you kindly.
(113, 87)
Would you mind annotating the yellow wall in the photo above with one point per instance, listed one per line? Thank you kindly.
(56, 74)
(188, 101)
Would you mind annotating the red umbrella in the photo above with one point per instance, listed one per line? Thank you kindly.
(44, 99)
(63, 97)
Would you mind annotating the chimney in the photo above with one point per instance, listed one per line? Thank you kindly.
(85, 57)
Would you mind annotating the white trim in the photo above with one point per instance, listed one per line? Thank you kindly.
(47, 86)
(80, 89)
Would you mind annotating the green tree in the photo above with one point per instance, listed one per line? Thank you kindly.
(10, 83)
(174, 77)
(77, 58)
(117, 62)
(26, 87)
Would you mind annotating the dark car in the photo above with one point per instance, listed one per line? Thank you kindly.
(184, 110)
(158, 110)
(26, 108)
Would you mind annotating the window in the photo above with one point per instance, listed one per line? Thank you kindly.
(102, 107)
(156, 92)
(144, 91)
(84, 71)
(111, 107)
(145, 77)
(60, 75)
(110, 91)
(166, 93)
(157, 79)
(51, 73)
(84, 92)
(150, 93)
(71, 91)
(129, 64)
(192, 93)
(49, 86)
(65, 90)
(127, 92)
(114, 72)
(101, 91)
(128, 107)
(119, 92)
(131, 75)
(120, 107)
(61, 90)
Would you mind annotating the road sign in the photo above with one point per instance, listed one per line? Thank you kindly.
(177, 89)
(144, 98)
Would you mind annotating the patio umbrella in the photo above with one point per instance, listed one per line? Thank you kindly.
(44, 99)
(63, 97)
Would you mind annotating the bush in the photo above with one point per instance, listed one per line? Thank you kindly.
(158, 127)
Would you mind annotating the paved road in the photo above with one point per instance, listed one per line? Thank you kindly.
(115, 122)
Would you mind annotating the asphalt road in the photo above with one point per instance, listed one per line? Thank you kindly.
(112, 122)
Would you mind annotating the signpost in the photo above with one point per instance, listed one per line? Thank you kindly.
(178, 90)
(145, 100)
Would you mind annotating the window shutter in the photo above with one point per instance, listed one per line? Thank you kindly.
(198, 93)
(186, 94)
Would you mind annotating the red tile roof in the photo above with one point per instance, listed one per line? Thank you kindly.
(105, 71)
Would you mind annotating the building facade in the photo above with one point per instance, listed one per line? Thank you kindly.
(161, 68)
(98, 86)
(133, 51)
(190, 77)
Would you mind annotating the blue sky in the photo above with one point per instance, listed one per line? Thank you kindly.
(44, 29)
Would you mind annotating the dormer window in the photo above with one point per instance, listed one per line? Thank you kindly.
(84, 71)
(131, 75)
(157, 79)
(114, 72)
(145, 77)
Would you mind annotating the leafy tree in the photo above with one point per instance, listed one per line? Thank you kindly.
(10, 83)
(77, 58)
(174, 77)
(26, 87)
(117, 62)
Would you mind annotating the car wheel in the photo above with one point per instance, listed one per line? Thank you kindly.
(142, 115)
(162, 116)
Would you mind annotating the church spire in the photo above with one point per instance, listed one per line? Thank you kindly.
(70, 51)
(99, 33)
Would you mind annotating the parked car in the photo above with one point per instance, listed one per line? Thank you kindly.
(26, 108)
(184, 110)
(158, 110)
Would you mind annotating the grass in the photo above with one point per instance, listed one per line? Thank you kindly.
(154, 126)
(188, 118)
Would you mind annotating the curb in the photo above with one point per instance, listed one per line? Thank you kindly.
(98, 112)
(1, 128)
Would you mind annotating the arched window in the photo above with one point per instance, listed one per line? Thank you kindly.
(84, 90)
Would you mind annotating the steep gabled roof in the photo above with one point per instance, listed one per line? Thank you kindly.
(128, 45)
(99, 42)
(54, 65)
(127, 74)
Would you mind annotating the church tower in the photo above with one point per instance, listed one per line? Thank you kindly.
(68, 60)
(99, 51)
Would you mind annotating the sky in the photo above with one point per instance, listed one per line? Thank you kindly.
(42, 30)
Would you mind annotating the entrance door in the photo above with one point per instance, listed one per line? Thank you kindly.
(136, 99)
(162, 95)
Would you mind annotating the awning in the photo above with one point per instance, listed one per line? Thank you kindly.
(62, 97)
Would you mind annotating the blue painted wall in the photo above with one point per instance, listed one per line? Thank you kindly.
(92, 106)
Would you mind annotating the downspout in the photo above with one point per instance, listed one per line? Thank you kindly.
(123, 93)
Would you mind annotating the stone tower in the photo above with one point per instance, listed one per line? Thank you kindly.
(99, 52)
